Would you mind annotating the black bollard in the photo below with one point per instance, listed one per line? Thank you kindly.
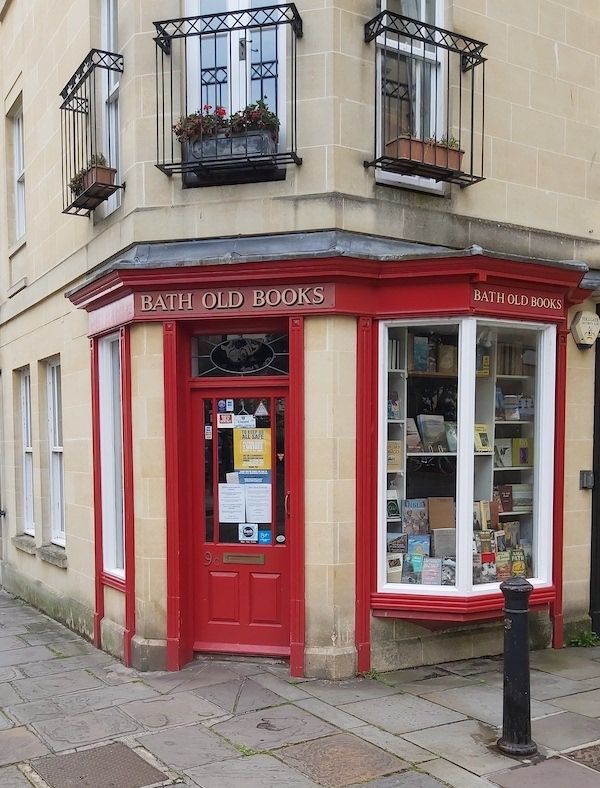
(516, 718)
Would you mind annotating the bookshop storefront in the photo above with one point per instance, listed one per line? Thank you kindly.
(456, 370)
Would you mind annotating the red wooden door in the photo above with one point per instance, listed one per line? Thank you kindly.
(240, 521)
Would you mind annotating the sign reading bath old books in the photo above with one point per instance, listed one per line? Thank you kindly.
(516, 300)
(252, 449)
(227, 301)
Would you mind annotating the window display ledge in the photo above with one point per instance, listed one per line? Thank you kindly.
(449, 609)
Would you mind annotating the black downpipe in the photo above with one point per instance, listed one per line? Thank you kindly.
(595, 547)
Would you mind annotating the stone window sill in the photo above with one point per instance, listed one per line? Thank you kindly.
(53, 554)
(25, 543)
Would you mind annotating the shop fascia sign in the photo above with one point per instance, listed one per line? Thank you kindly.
(225, 300)
(498, 299)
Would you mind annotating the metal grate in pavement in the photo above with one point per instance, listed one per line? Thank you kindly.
(589, 756)
(111, 766)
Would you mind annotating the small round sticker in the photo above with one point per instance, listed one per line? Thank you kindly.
(221, 406)
(280, 538)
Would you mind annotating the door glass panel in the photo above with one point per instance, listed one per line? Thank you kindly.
(250, 477)
(226, 355)
(209, 507)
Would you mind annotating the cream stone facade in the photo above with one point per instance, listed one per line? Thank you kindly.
(539, 201)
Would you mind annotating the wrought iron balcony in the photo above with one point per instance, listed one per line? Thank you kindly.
(429, 100)
(226, 95)
(89, 133)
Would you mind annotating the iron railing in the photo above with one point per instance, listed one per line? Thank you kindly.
(89, 130)
(224, 63)
(429, 100)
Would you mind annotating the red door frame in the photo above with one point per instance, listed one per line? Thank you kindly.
(178, 454)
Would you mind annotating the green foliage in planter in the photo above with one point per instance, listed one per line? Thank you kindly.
(208, 123)
(76, 182)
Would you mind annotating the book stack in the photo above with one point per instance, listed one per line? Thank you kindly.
(514, 497)
(394, 354)
(500, 554)
(426, 541)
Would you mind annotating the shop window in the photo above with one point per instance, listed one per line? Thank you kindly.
(55, 447)
(224, 355)
(466, 455)
(26, 453)
(111, 454)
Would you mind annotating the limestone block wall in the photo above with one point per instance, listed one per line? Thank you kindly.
(149, 480)
(579, 424)
(330, 525)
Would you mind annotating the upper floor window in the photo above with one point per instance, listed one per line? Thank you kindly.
(55, 447)
(110, 90)
(16, 166)
(236, 106)
(429, 98)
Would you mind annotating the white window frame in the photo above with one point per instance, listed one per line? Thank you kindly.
(415, 182)
(19, 173)
(111, 454)
(543, 441)
(27, 452)
(55, 452)
(110, 99)
(240, 90)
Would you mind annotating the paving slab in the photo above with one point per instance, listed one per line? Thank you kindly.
(454, 775)
(338, 692)
(8, 695)
(19, 744)
(99, 767)
(9, 674)
(115, 673)
(282, 688)
(256, 771)
(406, 780)
(439, 683)
(26, 655)
(401, 713)
(11, 642)
(93, 726)
(267, 730)
(11, 777)
(483, 703)
(547, 686)
(239, 696)
(565, 730)
(469, 744)
(553, 773)
(187, 747)
(71, 648)
(471, 667)
(43, 638)
(407, 675)
(58, 684)
(80, 702)
(167, 710)
(565, 663)
(588, 756)
(337, 717)
(193, 677)
(587, 703)
(394, 744)
(341, 760)
(53, 666)
(5, 722)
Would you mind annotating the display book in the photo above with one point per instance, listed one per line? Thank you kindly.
(421, 540)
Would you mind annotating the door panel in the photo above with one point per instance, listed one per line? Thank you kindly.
(240, 520)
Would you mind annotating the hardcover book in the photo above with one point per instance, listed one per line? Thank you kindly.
(431, 573)
(522, 495)
(443, 542)
(392, 505)
(500, 541)
(397, 543)
(395, 455)
(419, 544)
(486, 515)
(441, 513)
(413, 439)
(522, 451)
(527, 548)
(433, 432)
(415, 517)
(488, 568)
(512, 533)
(503, 453)
(420, 355)
(503, 565)
(486, 541)
(477, 568)
(505, 491)
(482, 438)
(448, 359)
(451, 436)
(495, 508)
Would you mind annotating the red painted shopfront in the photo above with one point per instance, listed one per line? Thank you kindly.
(236, 575)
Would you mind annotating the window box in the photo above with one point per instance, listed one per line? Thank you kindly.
(432, 154)
(97, 184)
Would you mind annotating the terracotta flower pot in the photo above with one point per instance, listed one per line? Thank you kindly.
(99, 174)
(434, 154)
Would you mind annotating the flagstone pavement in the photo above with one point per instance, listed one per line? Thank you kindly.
(73, 716)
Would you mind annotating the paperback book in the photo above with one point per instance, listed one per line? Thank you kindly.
(413, 439)
(397, 543)
(503, 453)
(522, 451)
(503, 565)
(488, 568)
(431, 573)
(482, 438)
(519, 567)
(522, 495)
(392, 505)
(415, 517)
(448, 359)
(451, 435)
(395, 455)
(448, 570)
(394, 567)
(419, 544)
(420, 354)
(410, 574)
(443, 542)
(512, 533)
(486, 515)
(393, 406)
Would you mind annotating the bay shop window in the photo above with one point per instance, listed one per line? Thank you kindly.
(466, 430)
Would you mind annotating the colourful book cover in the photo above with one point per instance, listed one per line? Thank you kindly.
(512, 533)
(415, 516)
(433, 432)
(477, 569)
(420, 354)
(392, 505)
(522, 451)
(503, 565)
(431, 573)
(482, 439)
(397, 543)
(395, 455)
(488, 568)
(519, 566)
(419, 544)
